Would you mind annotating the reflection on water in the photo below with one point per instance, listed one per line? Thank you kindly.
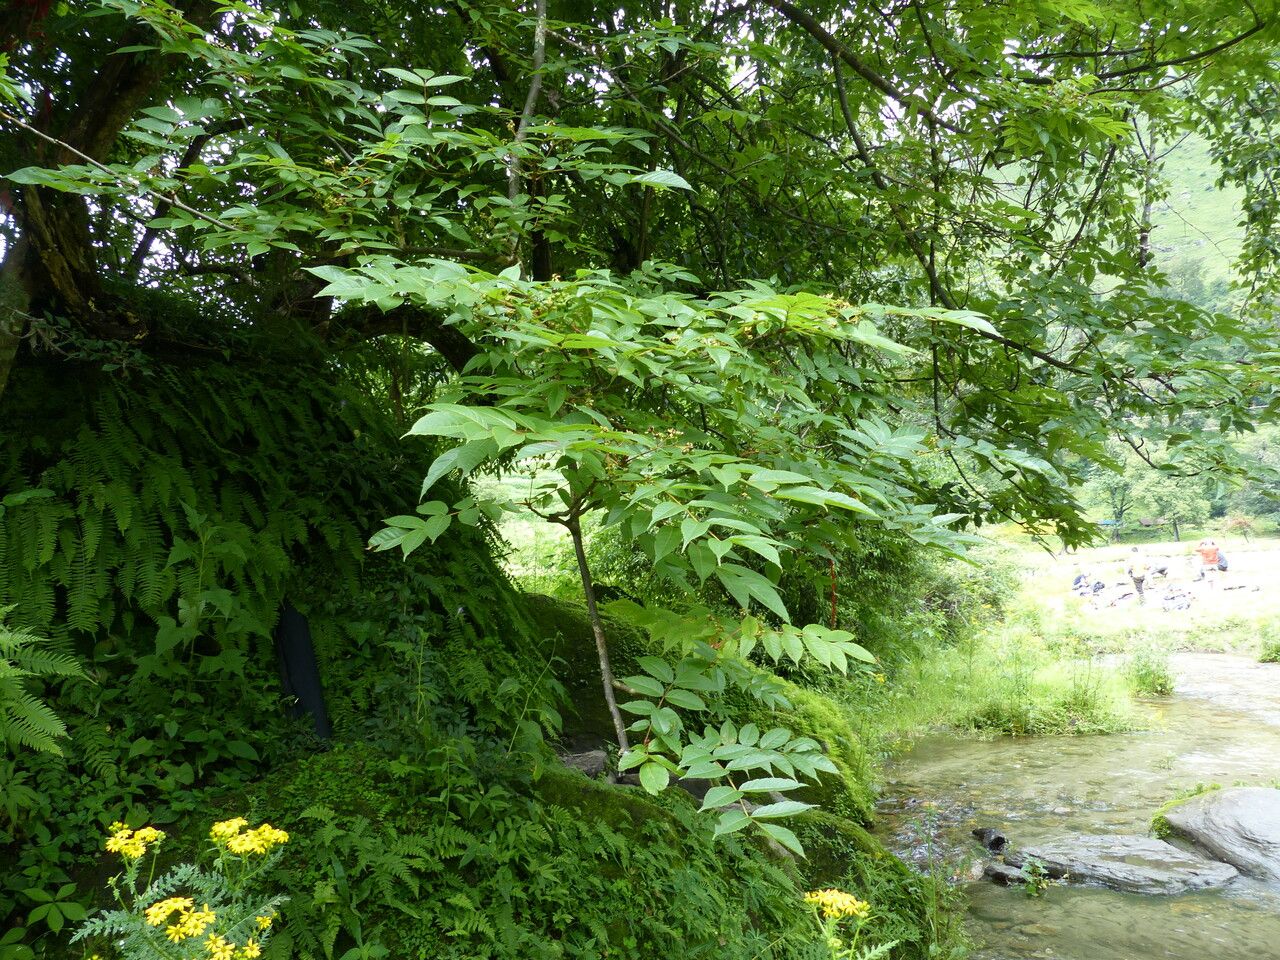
(1221, 726)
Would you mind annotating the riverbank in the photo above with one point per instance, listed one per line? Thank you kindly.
(1221, 725)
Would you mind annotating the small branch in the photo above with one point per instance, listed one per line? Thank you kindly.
(137, 184)
(514, 173)
(597, 630)
(189, 156)
(811, 25)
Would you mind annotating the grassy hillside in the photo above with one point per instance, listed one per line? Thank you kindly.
(1198, 221)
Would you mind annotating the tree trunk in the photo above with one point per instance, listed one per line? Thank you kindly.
(1177, 536)
(14, 305)
(597, 629)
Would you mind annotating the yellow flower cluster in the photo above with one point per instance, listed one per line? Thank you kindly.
(132, 844)
(159, 911)
(232, 835)
(190, 923)
(219, 948)
(227, 829)
(835, 904)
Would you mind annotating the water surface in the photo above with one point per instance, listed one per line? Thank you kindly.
(1222, 725)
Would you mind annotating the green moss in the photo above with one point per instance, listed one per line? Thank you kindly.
(565, 633)
(847, 793)
(923, 913)
(1160, 826)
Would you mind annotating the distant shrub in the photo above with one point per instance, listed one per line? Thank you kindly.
(1148, 673)
(1268, 645)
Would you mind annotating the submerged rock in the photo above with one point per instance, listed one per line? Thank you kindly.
(991, 838)
(1240, 825)
(1132, 864)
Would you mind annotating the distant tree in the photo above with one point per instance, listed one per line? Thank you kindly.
(1111, 493)
(1169, 496)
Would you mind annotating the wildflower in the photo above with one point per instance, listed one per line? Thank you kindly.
(227, 829)
(159, 911)
(835, 904)
(261, 840)
(250, 950)
(879, 678)
(120, 835)
(191, 923)
(148, 835)
(132, 844)
(219, 948)
(265, 921)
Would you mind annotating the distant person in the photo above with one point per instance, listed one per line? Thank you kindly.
(1210, 556)
(1139, 569)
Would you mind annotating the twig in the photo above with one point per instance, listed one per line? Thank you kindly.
(160, 195)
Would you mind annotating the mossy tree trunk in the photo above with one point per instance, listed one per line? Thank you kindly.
(574, 527)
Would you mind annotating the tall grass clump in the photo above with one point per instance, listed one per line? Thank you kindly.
(1148, 673)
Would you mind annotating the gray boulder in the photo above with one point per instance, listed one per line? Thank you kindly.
(593, 763)
(1132, 864)
(1240, 825)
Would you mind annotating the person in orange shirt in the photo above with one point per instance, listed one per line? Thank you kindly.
(1208, 553)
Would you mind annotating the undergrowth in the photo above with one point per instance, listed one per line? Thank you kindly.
(1147, 672)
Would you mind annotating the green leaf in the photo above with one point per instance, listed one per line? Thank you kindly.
(783, 808)
(720, 797)
(686, 699)
(464, 459)
(731, 821)
(745, 585)
(657, 668)
(661, 178)
(769, 785)
(632, 758)
(654, 777)
(645, 685)
(784, 837)
(775, 738)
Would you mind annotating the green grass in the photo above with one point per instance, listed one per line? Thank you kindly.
(1005, 679)
(1160, 825)
(1218, 619)
(1197, 221)
(1148, 673)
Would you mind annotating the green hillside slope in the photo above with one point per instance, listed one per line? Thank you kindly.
(1198, 223)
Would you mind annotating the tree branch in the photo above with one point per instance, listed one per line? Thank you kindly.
(407, 320)
(815, 29)
(131, 181)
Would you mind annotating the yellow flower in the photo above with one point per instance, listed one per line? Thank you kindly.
(159, 911)
(835, 904)
(191, 923)
(227, 829)
(261, 840)
(131, 844)
(880, 678)
(120, 835)
(250, 950)
(219, 948)
(265, 921)
(232, 835)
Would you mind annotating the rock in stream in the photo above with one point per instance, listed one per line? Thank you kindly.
(1240, 825)
(1132, 864)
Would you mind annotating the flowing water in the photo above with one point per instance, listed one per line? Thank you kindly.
(1222, 725)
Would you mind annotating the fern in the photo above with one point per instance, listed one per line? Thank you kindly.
(26, 720)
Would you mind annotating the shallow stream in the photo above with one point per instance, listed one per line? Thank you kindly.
(1222, 725)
